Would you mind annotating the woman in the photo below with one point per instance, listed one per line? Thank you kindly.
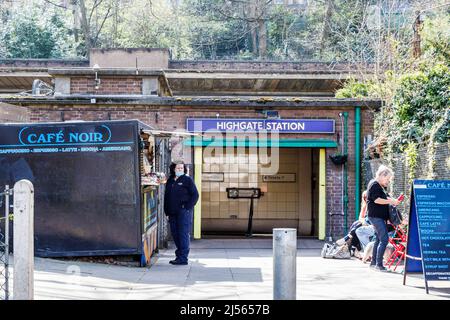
(378, 201)
(366, 231)
(363, 211)
(180, 197)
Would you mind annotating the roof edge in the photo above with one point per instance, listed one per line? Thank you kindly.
(257, 102)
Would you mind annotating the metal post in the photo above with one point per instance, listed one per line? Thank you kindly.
(249, 232)
(284, 264)
(23, 240)
(357, 161)
(345, 202)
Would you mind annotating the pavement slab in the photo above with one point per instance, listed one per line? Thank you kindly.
(227, 269)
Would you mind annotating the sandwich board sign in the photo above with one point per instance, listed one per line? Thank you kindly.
(428, 245)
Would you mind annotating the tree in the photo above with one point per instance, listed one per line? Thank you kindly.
(417, 97)
(28, 33)
(247, 17)
(90, 16)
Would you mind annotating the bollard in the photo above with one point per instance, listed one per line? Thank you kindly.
(284, 264)
(23, 286)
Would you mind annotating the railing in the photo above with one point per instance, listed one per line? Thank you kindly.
(4, 242)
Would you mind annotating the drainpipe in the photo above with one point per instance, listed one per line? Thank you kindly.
(345, 200)
(357, 160)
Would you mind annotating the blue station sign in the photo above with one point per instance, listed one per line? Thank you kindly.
(223, 125)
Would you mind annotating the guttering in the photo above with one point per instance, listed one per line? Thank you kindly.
(65, 72)
(357, 161)
(345, 182)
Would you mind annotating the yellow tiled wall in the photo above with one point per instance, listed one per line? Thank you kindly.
(281, 201)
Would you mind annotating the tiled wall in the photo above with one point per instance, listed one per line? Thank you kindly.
(282, 200)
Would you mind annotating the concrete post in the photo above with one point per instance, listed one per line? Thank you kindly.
(23, 287)
(284, 264)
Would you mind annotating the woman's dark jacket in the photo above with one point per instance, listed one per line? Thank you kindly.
(179, 194)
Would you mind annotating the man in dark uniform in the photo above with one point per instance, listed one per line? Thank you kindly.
(180, 197)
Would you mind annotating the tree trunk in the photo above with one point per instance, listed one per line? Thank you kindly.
(76, 19)
(253, 26)
(326, 25)
(85, 26)
(254, 39)
(262, 44)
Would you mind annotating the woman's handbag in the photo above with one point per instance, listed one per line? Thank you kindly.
(395, 216)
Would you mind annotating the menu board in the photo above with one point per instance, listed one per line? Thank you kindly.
(429, 230)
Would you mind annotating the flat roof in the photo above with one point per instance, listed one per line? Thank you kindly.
(205, 101)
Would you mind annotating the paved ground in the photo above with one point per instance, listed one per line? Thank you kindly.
(227, 269)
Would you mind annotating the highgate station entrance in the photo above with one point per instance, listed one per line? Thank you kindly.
(289, 195)
(270, 127)
(246, 154)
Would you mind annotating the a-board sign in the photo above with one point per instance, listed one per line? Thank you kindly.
(428, 245)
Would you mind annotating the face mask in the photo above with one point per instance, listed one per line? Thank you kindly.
(179, 173)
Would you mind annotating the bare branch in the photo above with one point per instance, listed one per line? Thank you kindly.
(55, 4)
(107, 15)
(96, 4)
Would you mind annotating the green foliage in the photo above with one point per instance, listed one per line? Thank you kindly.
(418, 111)
(436, 34)
(422, 100)
(355, 89)
(324, 30)
(416, 94)
(213, 29)
(31, 34)
(410, 152)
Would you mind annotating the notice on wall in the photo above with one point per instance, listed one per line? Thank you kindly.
(281, 177)
(212, 176)
(429, 230)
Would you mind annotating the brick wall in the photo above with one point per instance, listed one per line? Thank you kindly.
(9, 113)
(112, 85)
(402, 179)
(171, 118)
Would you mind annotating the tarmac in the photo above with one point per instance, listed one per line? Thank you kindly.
(227, 269)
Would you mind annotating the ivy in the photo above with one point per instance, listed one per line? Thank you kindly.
(411, 154)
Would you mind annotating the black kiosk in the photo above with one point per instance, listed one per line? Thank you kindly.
(96, 185)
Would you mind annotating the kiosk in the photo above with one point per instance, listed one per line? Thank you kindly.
(96, 185)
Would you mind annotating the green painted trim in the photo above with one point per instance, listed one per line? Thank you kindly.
(322, 194)
(282, 143)
(198, 161)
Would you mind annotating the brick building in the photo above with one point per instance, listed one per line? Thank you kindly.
(234, 109)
